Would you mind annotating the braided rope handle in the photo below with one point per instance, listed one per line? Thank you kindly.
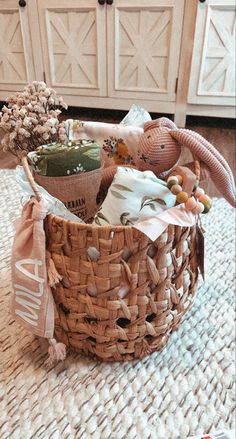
(30, 178)
(197, 168)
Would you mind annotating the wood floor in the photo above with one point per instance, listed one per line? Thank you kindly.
(220, 132)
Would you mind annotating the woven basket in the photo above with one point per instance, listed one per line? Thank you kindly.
(121, 295)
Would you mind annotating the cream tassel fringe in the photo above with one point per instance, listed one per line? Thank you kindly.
(56, 351)
(53, 276)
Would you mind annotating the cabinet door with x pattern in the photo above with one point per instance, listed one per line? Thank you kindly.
(73, 34)
(144, 39)
(212, 77)
(17, 66)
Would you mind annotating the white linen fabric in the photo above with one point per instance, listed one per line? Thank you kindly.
(133, 197)
(137, 116)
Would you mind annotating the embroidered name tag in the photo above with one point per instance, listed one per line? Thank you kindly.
(28, 299)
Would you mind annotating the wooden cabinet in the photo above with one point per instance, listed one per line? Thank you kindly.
(169, 56)
(212, 77)
(125, 50)
(73, 35)
(18, 48)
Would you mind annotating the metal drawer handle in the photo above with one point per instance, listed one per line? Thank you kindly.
(109, 2)
(101, 2)
(22, 3)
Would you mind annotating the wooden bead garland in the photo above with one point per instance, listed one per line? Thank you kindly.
(198, 203)
(176, 188)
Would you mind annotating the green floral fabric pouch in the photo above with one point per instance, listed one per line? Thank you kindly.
(56, 160)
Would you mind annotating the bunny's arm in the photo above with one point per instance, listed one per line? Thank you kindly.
(99, 131)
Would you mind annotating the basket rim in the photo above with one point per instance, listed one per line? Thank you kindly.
(83, 225)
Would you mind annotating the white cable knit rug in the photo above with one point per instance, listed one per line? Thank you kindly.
(187, 389)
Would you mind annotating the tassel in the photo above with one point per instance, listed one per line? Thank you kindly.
(56, 351)
(53, 276)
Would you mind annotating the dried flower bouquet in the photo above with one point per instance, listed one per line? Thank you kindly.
(31, 119)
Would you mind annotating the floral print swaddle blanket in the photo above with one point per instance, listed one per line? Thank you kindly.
(118, 141)
(133, 197)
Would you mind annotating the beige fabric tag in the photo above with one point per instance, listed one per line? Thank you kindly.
(32, 303)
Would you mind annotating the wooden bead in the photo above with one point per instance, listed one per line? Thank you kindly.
(199, 191)
(176, 189)
(205, 199)
(180, 179)
(171, 183)
(182, 197)
(190, 203)
(198, 209)
(207, 207)
(174, 178)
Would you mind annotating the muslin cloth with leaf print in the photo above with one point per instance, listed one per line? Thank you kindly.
(133, 197)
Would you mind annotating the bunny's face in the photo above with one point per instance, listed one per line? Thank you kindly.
(158, 151)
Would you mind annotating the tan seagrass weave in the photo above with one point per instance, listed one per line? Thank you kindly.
(121, 295)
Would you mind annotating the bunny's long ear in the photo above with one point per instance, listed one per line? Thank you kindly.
(219, 169)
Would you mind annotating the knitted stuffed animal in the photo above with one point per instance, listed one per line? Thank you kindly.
(159, 149)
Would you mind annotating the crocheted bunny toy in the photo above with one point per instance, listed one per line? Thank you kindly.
(159, 149)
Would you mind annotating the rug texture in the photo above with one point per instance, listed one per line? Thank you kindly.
(186, 389)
